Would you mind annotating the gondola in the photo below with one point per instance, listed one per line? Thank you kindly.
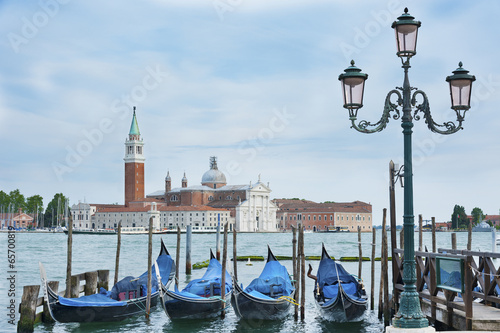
(126, 298)
(338, 294)
(201, 298)
(267, 297)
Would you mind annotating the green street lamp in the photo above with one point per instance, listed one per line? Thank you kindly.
(410, 314)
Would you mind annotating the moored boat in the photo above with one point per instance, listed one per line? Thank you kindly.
(267, 297)
(126, 298)
(339, 295)
(201, 298)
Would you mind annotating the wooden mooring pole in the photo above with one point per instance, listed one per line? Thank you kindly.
(434, 248)
(295, 273)
(302, 275)
(223, 278)
(150, 262)
(469, 237)
(177, 256)
(69, 258)
(454, 240)
(118, 246)
(385, 275)
(372, 292)
(235, 262)
(27, 309)
(217, 242)
(360, 261)
(188, 250)
(394, 244)
(420, 232)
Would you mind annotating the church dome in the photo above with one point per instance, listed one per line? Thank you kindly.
(213, 176)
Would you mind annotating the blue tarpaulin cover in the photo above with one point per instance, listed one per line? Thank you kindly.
(106, 298)
(275, 276)
(212, 276)
(330, 273)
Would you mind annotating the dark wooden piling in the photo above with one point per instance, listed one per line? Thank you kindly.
(46, 317)
(392, 201)
(150, 262)
(68, 259)
(75, 286)
(27, 309)
(434, 248)
(217, 242)
(360, 261)
(90, 287)
(235, 262)
(103, 279)
(420, 232)
(295, 273)
(372, 292)
(177, 256)
(223, 278)
(385, 268)
(469, 236)
(402, 239)
(188, 249)
(302, 275)
(454, 240)
(118, 246)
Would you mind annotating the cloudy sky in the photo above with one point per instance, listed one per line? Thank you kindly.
(254, 83)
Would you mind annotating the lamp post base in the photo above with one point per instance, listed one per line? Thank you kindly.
(392, 329)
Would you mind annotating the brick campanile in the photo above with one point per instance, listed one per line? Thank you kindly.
(134, 164)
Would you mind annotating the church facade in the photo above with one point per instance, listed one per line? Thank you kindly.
(250, 206)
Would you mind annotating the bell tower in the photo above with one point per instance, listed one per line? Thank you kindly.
(134, 164)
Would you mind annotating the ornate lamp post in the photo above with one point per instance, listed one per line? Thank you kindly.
(410, 314)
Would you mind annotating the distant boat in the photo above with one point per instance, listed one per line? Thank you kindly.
(482, 227)
(92, 231)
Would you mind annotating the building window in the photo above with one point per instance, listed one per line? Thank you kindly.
(331, 217)
(319, 217)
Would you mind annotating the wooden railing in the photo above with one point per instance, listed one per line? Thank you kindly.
(479, 270)
(30, 301)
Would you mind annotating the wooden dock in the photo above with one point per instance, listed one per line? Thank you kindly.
(474, 310)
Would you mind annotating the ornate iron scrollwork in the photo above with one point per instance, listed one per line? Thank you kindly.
(364, 126)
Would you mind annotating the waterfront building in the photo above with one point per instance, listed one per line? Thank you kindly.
(327, 216)
(17, 220)
(251, 208)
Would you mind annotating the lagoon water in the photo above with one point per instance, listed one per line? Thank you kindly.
(93, 252)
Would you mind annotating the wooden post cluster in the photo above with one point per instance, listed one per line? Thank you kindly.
(90, 287)
(223, 278)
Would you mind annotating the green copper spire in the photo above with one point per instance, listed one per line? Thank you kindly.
(134, 128)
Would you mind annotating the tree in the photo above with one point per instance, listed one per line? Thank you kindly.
(17, 200)
(4, 200)
(54, 212)
(459, 218)
(34, 204)
(477, 215)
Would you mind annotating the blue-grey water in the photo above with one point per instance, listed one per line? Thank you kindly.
(93, 252)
